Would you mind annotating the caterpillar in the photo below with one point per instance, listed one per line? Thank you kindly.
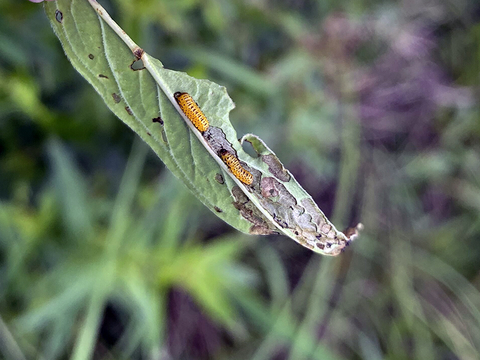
(236, 168)
(192, 111)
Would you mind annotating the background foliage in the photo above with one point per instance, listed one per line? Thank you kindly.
(373, 105)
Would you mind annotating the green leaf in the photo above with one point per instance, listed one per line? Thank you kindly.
(140, 91)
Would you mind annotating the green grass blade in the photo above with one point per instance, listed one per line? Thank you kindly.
(71, 190)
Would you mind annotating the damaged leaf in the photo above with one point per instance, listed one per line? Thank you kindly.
(256, 195)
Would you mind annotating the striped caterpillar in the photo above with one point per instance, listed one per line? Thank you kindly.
(236, 168)
(192, 111)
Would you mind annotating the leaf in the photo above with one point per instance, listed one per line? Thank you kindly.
(140, 91)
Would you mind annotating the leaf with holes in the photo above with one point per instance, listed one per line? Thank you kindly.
(186, 122)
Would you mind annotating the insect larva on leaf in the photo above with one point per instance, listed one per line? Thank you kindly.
(236, 168)
(192, 111)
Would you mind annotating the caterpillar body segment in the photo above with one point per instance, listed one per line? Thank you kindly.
(235, 167)
(192, 111)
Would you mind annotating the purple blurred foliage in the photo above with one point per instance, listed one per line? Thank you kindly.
(437, 203)
(39, 1)
(342, 36)
(400, 94)
(191, 334)
(282, 354)
(113, 324)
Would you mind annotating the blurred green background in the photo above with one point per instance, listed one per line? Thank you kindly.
(374, 107)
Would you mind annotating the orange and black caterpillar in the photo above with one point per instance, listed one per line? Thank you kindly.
(192, 111)
(235, 167)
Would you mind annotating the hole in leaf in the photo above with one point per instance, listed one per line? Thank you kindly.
(248, 148)
(58, 16)
(137, 65)
(219, 179)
